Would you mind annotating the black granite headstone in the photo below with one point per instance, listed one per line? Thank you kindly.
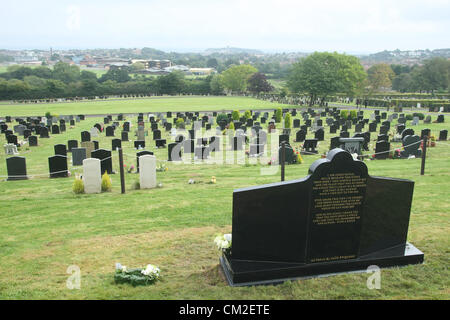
(33, 141)
(72, 144)
(60, 149)
(105, 160)
(115, 144)
(85, 136)
(58, 166)
(17, 168)
(332, 221)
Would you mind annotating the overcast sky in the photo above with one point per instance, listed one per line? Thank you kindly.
(172, 25)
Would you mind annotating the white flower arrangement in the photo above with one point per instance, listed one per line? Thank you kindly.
(151, 271)
(138, 276)
(223, 242)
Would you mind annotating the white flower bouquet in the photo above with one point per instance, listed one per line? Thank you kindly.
(223, 243)
(138, 276)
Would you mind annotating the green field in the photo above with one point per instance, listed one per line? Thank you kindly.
(45, 227)
(154, 104)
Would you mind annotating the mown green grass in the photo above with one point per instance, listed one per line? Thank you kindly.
(154, 104)
(44, 228)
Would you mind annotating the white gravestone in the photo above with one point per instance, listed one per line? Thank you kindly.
(94, 132)
(92, 176)
(147, 171)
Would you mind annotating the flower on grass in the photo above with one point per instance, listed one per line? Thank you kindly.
(151, 271)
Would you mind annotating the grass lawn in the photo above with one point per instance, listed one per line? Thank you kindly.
(154, 104)
(45, 227)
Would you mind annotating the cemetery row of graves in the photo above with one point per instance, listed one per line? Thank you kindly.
(172, 224)
(192, 137)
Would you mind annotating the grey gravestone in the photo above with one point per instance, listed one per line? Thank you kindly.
(58, 166)
(60, 149)
(78, 155)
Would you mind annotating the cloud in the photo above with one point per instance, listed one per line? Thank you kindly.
(350, 25)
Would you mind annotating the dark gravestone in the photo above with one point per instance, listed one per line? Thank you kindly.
(124, 136)
(139, 144)
(33, 141)
(344, 134)
(62, 127)
(160, 143)
(26, 133)
(85, 136)
(334, 220)
(411, 146)
(58, 166)
(383, 137)
(372, 127)
(43, 133)
(384, 129)
(55, 129)
(96, 144)
(443, 135)
(335, 142)
(126, 126)
(140, 154)
(425, 132)
(12, 138)
(382, 149)
(296, 123)
(333, 129)
(105, 160)
(319, 134)
(72, 144)
(400, 128)
(60, 149)
(290, 156)
(17, 168)
(156, 134)
(188, 145)
(115, 144)
(109, 131)
(78, 155)
(407, 132)
(440, 119)
(174, 151)
(309, 147)
(283, 137)
(366, 136)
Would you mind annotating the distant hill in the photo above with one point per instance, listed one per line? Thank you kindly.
(230, 50)
(403, 57)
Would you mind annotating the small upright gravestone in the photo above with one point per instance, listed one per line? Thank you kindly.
(147, 171)
(92, 176)
(33, 141)
(17, 168)
(60, 149)
(105, 158)
(332, 221)
(78, 155)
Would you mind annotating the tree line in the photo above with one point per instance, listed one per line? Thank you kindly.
(318, 76)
